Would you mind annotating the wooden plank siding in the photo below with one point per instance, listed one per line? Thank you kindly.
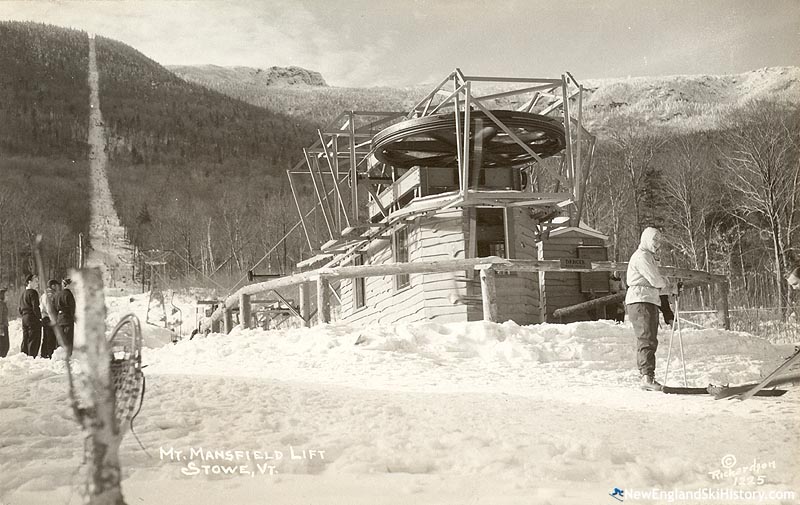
(384, 303)
(451, 296)
(442, 238)
(563, 289)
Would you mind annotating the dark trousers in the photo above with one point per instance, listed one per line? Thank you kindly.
(644, 318)
(68, 333)
(31, 335)
(49, 342)
(4, 341)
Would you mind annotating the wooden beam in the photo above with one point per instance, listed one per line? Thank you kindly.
(499, 264)
(377, 199)
(723, 313)
(305, 303)
(489, 295)
(245, 310)
(323, 300)
(227, 322)
(584, 306)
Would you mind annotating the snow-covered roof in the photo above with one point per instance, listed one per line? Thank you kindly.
(582, 228)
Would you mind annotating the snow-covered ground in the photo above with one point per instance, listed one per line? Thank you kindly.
(472, 413)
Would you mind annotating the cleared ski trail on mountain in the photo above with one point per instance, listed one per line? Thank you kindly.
(109, 250)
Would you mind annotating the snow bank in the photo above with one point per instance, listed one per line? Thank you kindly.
(410, 356)
(437, 413)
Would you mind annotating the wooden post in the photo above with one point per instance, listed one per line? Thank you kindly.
(227, 324)
(244, 310)
(489, 294)
(102, 446)
(722, 305)
(305, 303)
(323, 300)
(80, 250)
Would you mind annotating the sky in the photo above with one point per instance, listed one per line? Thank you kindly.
(363, 43)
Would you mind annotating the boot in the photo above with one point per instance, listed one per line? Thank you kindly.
(649, 383)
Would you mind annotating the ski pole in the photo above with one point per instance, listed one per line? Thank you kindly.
(680, 336)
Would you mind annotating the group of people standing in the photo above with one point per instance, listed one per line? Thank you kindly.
(42, 317)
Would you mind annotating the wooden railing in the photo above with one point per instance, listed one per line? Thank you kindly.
(488, 267)
(721, 299)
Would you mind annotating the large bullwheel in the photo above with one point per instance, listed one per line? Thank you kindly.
(431, 141)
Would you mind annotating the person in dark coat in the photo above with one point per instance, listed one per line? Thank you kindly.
(48, 308)
(65, 318)
(31, 317)
(3, 324)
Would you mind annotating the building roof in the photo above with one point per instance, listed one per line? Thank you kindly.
(582, 228)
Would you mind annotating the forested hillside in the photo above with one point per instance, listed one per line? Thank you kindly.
(177, 151)
(44, 180)
(192, 170)
(727, 198)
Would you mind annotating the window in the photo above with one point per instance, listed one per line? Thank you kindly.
(490, 232)
(400, 252)
(359, 285)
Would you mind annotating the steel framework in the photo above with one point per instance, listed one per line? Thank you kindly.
(361, 156)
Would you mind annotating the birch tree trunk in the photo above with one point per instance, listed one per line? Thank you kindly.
(102, 447)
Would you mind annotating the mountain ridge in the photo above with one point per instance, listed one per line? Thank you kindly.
(272, 76)
(682, 103)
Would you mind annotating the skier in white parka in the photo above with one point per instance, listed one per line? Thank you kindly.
(642, 302)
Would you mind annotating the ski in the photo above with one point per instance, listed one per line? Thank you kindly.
(775, 373)
(719, 391)
(684, 391)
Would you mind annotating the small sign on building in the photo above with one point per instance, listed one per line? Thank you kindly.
(576, 263)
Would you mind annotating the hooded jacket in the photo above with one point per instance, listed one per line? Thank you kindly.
(48, 304)
(644, 276)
